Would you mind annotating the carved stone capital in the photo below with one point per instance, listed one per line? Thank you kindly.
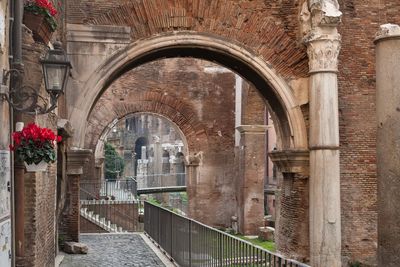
(323, 52)
(76, 159)
(388, 31)
(291, 161)
(318, 22)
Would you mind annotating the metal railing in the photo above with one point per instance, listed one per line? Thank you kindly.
(161, 180)
(191, 243)
(123, 190)
(109, 216)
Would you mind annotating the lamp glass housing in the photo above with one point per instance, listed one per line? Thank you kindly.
(56, 70)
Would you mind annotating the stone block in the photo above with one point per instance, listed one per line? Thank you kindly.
(75, 248)
(266, 233)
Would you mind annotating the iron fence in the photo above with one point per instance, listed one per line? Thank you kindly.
(191, 243)
(105, 216)
(124, 190)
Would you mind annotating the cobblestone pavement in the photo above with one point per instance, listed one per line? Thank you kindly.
(111, 250)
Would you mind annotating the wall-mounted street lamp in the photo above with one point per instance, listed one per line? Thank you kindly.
(25, 98)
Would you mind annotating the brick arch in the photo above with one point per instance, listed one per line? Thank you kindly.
(108, 111)
(261, 32)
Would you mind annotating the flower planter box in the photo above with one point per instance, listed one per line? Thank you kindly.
(39, 26)
(41, 167)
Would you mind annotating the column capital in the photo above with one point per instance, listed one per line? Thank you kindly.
(253, 129)
(323, 51)
(76, 159)
(319, 21)
(291, 161)
(387, 31)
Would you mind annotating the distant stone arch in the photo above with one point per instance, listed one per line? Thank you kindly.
(104, 118)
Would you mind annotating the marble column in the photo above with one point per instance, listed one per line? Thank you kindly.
(323, 46)
(388, 143)
(76, 158)
(251, 178)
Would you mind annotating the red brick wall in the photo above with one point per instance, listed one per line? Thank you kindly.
(292, 222)
(87, 226)
(361, 20)
(200, 103)
(39, 188)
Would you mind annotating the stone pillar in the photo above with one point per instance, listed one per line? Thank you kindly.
(99, 168)
(76, 158)
(388, 153)
(192, 180)
(323, 46)
(251, 178)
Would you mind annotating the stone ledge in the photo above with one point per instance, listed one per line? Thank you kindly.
(292, 161)
(253, 129)
(76, 159)
(98, 34)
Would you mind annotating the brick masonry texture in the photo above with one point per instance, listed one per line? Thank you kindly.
(269, 29)
(39, 244)
(361, 20)
(124, 215)
(200, 103)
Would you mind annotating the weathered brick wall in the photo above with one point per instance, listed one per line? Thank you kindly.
(358, 124)
(268, 28)
(201, 103)
(39, 188)
(124, 215)
(292, 223)
(254, 108)
(70, 216)
(87, 226)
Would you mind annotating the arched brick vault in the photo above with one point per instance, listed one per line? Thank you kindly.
(269, 29)
(261, 31)
(181, 114)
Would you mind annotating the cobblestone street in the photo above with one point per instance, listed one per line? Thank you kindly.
(108, 250)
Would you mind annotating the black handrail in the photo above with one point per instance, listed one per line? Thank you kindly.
(192, 243)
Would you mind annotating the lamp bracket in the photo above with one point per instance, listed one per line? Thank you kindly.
(24, 98)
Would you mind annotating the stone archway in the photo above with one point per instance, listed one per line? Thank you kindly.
(261, 52)
(286, 112)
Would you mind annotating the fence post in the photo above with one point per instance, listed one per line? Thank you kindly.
(159, 226)
(171, 235)
(190, 243)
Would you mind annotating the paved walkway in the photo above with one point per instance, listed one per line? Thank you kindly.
(114, 250)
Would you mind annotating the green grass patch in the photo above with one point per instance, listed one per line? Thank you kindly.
(268, 245)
